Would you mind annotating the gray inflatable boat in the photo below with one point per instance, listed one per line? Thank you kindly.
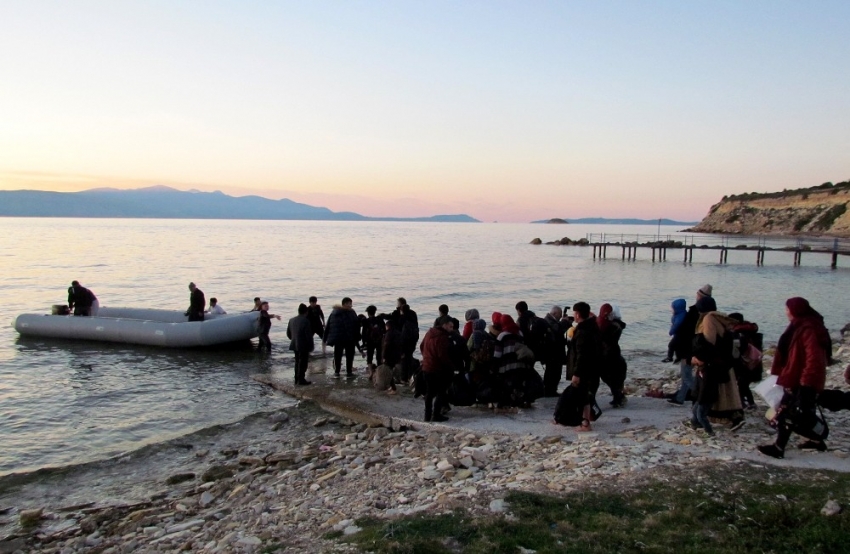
(168, 328)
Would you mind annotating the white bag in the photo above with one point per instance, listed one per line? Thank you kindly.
(770, 391)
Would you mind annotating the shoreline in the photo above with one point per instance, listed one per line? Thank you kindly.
(289, 477)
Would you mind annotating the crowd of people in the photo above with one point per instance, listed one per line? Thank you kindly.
(492, 363)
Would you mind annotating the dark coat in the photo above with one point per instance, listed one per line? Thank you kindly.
(392, 347)
(557, 349)
(409, 327)
(343, 327)
(300, 331)
(585, 358)
(197, 302)
(80, 297)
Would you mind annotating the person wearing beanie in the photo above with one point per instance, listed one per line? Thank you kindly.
(800, 364)
(683, 340)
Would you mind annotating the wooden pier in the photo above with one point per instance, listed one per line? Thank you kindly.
(658, 245)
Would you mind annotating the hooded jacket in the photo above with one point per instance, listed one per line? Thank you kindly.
(436, 351)
(805, 363)
(343, 326)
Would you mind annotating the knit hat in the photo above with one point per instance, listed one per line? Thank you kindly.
(706, 304)
(705, 290)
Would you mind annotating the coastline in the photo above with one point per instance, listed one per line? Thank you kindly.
(289, 477)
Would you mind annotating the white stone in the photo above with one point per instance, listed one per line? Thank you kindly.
(498, 505)
(831, 508)
(351, 529)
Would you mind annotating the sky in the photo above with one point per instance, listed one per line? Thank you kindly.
(507, 111)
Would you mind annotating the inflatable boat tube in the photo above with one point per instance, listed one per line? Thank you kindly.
(167, 328)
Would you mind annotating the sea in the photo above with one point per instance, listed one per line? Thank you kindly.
(64, 403)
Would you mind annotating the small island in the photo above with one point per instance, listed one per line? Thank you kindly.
(558, 221)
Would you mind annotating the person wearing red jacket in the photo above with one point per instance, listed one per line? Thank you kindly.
(437, 367)
(800, 364)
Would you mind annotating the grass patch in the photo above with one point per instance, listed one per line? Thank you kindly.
(737, 509)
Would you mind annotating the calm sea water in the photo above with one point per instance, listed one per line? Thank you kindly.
(64, 402)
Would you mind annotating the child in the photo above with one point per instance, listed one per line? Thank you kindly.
(679, 307)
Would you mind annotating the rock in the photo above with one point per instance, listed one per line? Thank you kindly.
(185, 526)
(831, 508)
(8, 546)
(216, 473)
(351, 530)
(626, 420)
(498, 505)
(467, 462)
(250, 540)
(278, 457)
(463, 474)
(206, 499)
(322, 421)
(280, 417)
(430, 474)
(250, 461)
(30, 518)
(536, 241)
(179, 478)
(444, 465)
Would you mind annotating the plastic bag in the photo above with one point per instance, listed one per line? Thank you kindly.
(770, 391)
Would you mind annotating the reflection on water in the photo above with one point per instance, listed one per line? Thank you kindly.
(64, 402)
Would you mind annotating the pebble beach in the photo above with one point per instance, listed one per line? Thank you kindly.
(286, 480)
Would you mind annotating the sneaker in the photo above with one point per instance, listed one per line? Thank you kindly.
(820, 446)
(674, 401)
(336, 375)
(303, 382)
(737, 424)
(667, 360)
(691, 425)
(772, 450)
(438, 418)
(350, 375)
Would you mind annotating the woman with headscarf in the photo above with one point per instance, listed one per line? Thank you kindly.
(716, 388)
(506, 360)
(613, 371)
(800, 364)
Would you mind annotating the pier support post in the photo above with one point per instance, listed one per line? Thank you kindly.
(653, 254)
(594, 251)
(834, 260)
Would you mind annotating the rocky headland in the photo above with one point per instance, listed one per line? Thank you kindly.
(814, 211)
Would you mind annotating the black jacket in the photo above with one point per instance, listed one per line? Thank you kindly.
(585, 358)
(300, 332)
(343, 327)
(197, 302)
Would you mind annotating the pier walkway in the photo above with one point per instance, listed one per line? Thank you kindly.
(659, 244)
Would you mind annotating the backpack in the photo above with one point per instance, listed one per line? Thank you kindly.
(374, 332)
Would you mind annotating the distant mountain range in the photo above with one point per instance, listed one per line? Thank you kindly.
(622, 221)
(168, 203)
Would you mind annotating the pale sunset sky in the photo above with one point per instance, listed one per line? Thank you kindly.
(508, 111)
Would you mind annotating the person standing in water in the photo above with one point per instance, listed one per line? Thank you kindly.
(265, 326)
